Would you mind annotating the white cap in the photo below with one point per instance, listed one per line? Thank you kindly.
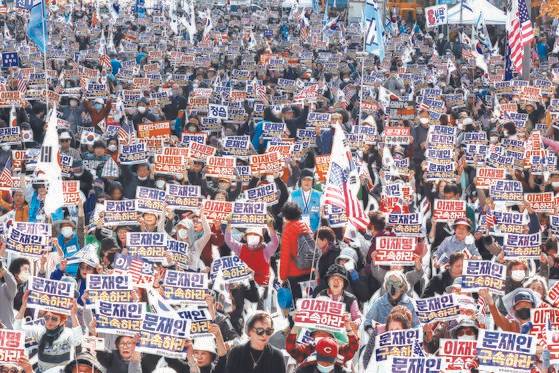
(205, 344)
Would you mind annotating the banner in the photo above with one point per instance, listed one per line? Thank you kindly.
(119, 318)
(71, 192)
(321, 314)
(271, 130)
(396, 343)
(109, 288)
(267, 163)
(505, 351)
(436, 15)
(395, 251)
(486, 175)
(147, 245)
(120, 213)
(154, 130)
(12, 346)
(553, 294)
(458, 355)
(479, 274)
(133, 154)
(185, 287)
(439, 308)
(416, 364)
(236, 145)
(10, 135)
(164, 336)
(32, 245)
(405, 224)
(266, 193)
(222, 166)
(448, 210)
(522, 246)
(231, 268)
(217, 210)
(541, 202)
(171, 161)
(150, 200)
(51, 295)
(200, 320)
(183, 197)
(510, 191)
(247, 214)
(142, 272)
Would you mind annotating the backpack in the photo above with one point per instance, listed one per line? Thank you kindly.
(307, 252)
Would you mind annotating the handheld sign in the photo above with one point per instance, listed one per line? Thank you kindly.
(248, 214)
(522, 246)
(183, 197)
(505, 351)
(120, 213)
(12, 346)
(395, 251)
(479, 274)
(119, 318)
(396, 343)
(51, 295)
(231, 268)
(441, 308)
(321, 314)
(148, 245)
(109, 288)
(189, 287)
(142, 272)
(448, 210)
(164, 335)
(200, 320)
(150, 200)
(458, 355)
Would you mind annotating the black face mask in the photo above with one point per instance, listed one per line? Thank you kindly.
(522, 314)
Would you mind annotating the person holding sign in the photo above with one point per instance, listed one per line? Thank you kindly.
(123, 359)
(523, 301)
(461, 240)
(56, 341)
(308, 199)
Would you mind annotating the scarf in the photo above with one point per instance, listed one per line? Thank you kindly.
(47, 340)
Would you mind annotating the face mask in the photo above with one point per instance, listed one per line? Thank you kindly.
(182, 234)
(349, 266)
(270, 178)
(522, 314)
(192, 129)
(423, 120)
(141, 109)
(98, 106)
(323, 369)
(112, 148)
(506, 133)
(23, 276)
(5, 147)
(253, 240)
(142, 178)
(67, 232)
(467, 338)
(493, 139)
(73, 103)
(469, 240)
(346, 80)
(223, 186)
(160, 184)
(518, 275)
(555, 184)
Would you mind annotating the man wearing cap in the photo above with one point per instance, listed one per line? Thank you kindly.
(518, 303)
(461, 240)
(324, 360)
(65, 141)
(308, 199)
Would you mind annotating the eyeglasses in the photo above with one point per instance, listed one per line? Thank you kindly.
(126, 344)
(261, 331)
(51, 318)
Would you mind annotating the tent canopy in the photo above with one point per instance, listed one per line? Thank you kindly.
(471, 10)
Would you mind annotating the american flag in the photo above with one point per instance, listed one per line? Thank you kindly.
(342, 182)
(489, 220)
(105, 60)
(481, 306)
(21, 84)
(520, 32)
(126, 134)
(6, 181)
(260, 93)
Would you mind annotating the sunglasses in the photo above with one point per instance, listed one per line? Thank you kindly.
(51, 318)
(261, 331)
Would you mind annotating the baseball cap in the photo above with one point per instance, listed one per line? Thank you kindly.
(462, 221)
(65, 136)
(523, 296)
(326, 350)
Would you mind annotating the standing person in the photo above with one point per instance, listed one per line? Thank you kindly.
(308, 199)
(257, 355)
(122, 360)
(293, 227)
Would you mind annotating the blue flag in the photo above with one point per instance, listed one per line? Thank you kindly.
(374, 42)
(37, 26)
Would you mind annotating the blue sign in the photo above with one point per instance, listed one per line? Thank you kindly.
(9, 59)
(24, 4)
(268, 33)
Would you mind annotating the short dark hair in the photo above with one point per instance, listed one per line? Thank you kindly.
(326, 233)
(16, 264)
(258, 316)
(451, 188)
(377, 220)
(291, 211)
(455, 257)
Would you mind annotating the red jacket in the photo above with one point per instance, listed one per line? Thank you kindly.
(288, 249)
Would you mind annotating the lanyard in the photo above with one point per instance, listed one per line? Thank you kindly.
(306, 202)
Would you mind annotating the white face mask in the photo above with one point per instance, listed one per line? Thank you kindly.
(73, 103)
(467, 338)
(493, 139)
(555, 184)
(5, 147)
(112, 148)
(270, 178)
(141, 109)
(23, 276)
(349, 265)
(518, 275)
(142, 178)
(423, 120)
(323, 369)
(67, 232)
(469, 240)
(160, 184)
(182, 234)
(253, 240)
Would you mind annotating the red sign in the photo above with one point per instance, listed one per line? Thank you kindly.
(394, 251)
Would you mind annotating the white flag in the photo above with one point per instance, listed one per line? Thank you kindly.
(50, 168)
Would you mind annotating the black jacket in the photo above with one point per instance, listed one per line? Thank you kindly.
(438, 284)
(240, 360)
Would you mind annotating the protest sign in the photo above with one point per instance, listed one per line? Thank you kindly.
(540, 317)
(272, 130)
(109, 288)
(321, 314)
(267, 163)
(217, 210)
(164, 335)
(479, 274)
(394, 250)
(509, 191)
(405, 224)
(458, 355)
(51, 295)
(448, 210)
(553, 294)
(29, 244)
(133, 154)
(508, 222)
(120, 213)
(183, 197)
(12, 346)
(322, 165)
(485, 176)
(248, 214)
(188, 287)
(415, 364)
(522, 246)
(154, 130)
(231, 269)
(505, 351)
(71, 192)
(201, 151)
(148, 245)
(119, 318)
(223, 166)
(150, 200)
(180, 252)
(10, 135)
(236, 145)
(200, 321)
(552, 345)
(171, 161)
(396, 343)
(397, 135)
(540, 202)
(440, 308)
(142, 272)
(266, 193)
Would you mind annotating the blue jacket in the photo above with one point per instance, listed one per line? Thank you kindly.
(310, 209)
(35, 208)
(70, 249)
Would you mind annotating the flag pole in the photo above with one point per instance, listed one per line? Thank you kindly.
(44, 26)
(527, 57)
